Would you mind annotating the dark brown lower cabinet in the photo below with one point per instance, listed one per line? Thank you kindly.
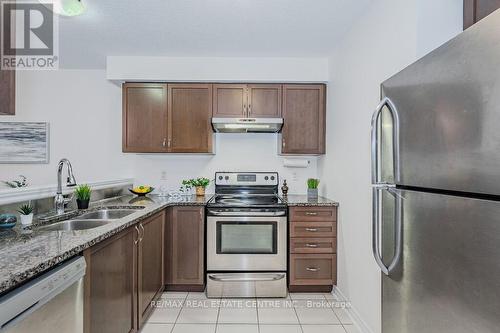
(124, 275)
(313, 249)
(150, 279)
(185, 243)
(110, 283)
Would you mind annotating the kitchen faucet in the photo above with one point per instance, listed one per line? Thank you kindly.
(59, 200)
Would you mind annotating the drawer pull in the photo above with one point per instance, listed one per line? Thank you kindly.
(312, 269)
(312, 245)
(311, 229)
(311, 213)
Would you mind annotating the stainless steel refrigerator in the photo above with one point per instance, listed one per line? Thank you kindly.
(436, 188)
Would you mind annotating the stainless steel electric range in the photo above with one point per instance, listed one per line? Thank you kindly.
(246, 236)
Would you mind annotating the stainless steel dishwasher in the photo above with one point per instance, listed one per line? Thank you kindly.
(49, 303)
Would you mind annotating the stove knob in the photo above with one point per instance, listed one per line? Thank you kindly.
(266, 178)
(226, 178)
(272, 177)
(220, 177)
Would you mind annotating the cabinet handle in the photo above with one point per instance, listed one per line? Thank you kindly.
(312, 269)
(169, 143)
(245, 110)
(138, 235)
(142, 228)
(164, 142)
(312, 245)
(283, 143)
(249, 109)
(311, 229)
(311, 213)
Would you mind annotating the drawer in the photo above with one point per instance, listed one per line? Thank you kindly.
(305, 214)
(313, 245)
(313, 229)
(313, 269)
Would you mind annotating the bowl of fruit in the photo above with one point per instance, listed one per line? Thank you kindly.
(141, 190)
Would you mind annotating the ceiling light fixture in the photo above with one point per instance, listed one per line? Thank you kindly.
(66, 7)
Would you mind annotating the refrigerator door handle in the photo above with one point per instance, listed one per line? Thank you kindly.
(395, 140)
(398, 244)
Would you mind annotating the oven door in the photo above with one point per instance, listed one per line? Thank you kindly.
(246, 243)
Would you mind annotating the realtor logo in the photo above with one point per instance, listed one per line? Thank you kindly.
(29, 36)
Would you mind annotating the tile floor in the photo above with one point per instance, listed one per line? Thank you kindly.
(178, 312)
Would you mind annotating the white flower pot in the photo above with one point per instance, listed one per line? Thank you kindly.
(27, 219)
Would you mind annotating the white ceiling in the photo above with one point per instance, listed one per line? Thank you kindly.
(228, 28)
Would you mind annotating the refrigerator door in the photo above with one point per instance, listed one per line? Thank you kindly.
(448, 106)
(448, 277)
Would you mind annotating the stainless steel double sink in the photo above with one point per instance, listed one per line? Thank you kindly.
(90, 220)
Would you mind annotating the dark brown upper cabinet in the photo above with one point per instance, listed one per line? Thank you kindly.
(145, 118)
(7, 89)
(247, 100)
(190, 111)
(476, 10)
(167, 118)
(264, 100)
(304, 111)
(230, 100)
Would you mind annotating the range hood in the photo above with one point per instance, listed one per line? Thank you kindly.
(247, 125)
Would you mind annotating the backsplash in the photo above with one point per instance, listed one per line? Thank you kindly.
(250, 152)
(46, 205)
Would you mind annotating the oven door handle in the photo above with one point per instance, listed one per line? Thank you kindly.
(249, 214)
(270, 277)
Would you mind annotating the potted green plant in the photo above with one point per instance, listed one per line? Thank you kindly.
(312, 188)
(199, 184)
(26, 214)
(82, 193)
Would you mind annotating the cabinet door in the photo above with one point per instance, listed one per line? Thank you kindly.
(476, 10)
(150, 264)
(190, 113)
(304, 119)
(145, 118)
(264, 100)
(110, 284)
(185, 248)
(230, 100)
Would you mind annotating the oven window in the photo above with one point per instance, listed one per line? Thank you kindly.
(246, 237)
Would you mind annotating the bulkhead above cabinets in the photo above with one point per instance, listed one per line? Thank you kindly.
(181, 117)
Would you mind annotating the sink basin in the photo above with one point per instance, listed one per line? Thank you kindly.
(74, 225)
(107, 214)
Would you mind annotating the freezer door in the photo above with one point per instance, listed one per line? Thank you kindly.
(448, 277)
(448, 106)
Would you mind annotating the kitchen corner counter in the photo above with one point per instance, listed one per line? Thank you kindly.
(27, 253)
(295, 200)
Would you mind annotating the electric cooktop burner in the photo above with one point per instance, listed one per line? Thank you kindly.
(246, 190)
(246, 200)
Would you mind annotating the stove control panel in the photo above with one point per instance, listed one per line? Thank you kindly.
(246, 178)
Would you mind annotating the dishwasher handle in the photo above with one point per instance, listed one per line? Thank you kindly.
(21, 302)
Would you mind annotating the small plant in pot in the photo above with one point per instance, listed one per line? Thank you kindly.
(82, 194)
(312, 188)
(26, 214)
(199, 184)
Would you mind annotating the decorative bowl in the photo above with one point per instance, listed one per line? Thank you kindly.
(7, 221)
(140, 194)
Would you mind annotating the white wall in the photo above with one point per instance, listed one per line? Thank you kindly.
(122, 68)
(84, 112)
(389, 35)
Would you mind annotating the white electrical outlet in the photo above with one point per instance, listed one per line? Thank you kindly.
(163, 175)
(294, 176)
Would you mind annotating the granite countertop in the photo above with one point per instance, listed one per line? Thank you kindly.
(303, 201)
(26, 253)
